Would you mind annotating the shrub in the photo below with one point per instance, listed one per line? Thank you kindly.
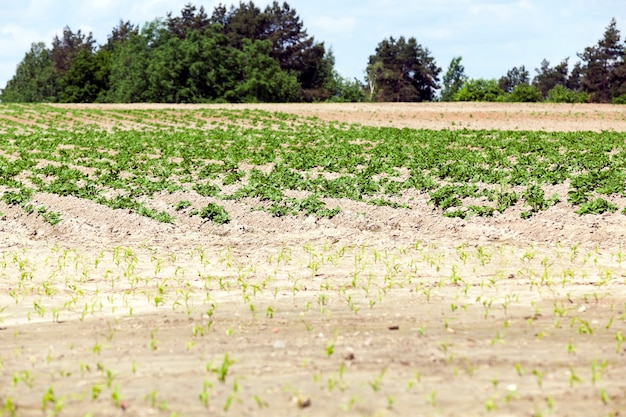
(480, 90)
(347, 90)
(561, 94)
(524, 93)
(619, 99)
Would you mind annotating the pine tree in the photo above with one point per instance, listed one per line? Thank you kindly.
(600, 63)
(402, 70)
(514, 77)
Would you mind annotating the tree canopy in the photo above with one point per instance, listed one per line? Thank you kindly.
(453, 79)
(244, 53)
(238, 54)
(402, 70)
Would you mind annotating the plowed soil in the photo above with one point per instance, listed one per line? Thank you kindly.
(375, 312)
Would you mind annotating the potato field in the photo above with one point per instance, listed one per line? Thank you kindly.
(313, 260)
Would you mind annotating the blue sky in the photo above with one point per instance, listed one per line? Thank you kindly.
(492, 36)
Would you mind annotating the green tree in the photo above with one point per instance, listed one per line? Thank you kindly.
(167, 69)
(66, 48)
(600, 62)
(87, 79)
(562, 94)
(575, 78)
(35, 78)
(246, 21)
(129, 63)
(121, 34)
(524, 93)
(480, 90)
(402, 70)
(618, 90)
(514, 77)
(296, 51)
(548, 77)
(83, 76)
(347, 90)
(261, 78)
(453, 79)
(213, 66)
(199, 67)
(190, 19)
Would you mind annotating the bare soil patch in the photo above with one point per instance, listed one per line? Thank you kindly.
(377, 311)
(501, 116)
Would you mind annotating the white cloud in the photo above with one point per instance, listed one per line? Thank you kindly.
(15, 38)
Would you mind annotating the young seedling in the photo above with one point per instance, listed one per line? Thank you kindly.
(619, 340)
(375, 383)
(573, 378)
(539, 375)
(222, 369)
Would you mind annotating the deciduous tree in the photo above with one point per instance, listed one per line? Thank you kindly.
(480, 90)
(35, 78)
(261, 78)
(453, 79)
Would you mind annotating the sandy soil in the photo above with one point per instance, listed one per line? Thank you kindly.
(505, 116)
(376, 312)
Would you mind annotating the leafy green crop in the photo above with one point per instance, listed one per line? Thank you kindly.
(215, 213)
(597, 206)
(262, 157)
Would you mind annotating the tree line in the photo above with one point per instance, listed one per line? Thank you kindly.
(247, 54)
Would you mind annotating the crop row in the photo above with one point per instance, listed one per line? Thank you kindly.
(454, 311)
(264, 155)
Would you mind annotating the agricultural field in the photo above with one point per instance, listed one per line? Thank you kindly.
(312, 260)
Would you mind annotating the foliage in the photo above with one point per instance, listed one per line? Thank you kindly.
(480, 90)
(601, 78)
(453, 79)
(619, 99)
(402, 70)
(261, 79)
(129, 62)
(514, 77)
(597, 206)
(238, 55)
(347, 90)
(215, 213)
(562, 94)
(296, 52)
(35, 78)
(465, 173)
(65, 49)
(248, 54)
(548, 77)
(87, 79)
(524, 93)
(535, 198)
